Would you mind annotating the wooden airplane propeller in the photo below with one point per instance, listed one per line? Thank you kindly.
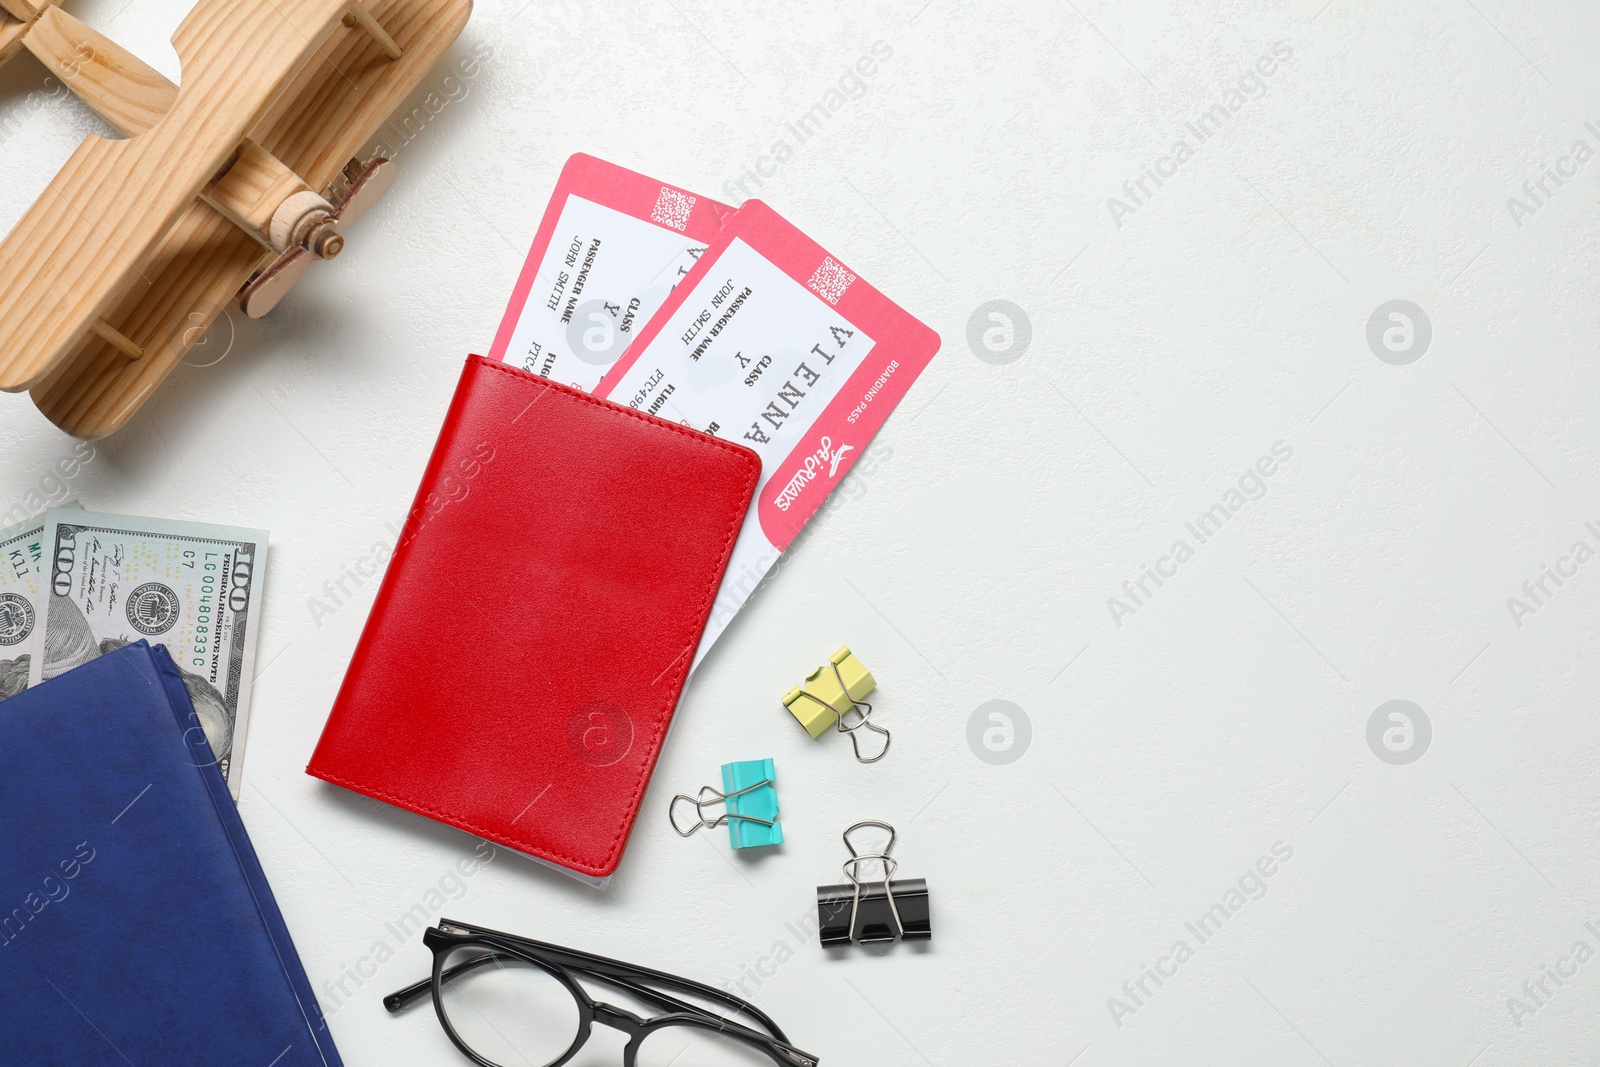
(324, 240)
(223, 189)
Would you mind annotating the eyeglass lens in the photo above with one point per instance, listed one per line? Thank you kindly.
(508, 1011)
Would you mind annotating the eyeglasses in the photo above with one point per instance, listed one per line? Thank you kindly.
(508, 1001)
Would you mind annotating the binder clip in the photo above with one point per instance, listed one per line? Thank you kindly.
(750, 798)
(873, 912)
(831, 696)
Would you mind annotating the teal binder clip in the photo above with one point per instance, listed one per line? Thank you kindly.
(752, 795)
(750, 799)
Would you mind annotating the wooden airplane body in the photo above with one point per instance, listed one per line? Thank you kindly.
(137, 245)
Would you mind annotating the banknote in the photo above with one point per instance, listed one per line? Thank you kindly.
(21, 549)
(21, 598)
(196, 588)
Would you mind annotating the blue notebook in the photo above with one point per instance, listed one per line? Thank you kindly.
(136, 926)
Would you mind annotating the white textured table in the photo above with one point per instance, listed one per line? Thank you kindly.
(1191, 273)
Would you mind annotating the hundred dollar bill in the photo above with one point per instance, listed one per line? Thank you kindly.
(196, 588)
(21, 599)
(21, 548)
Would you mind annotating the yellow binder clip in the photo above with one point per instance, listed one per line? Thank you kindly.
(831, 696)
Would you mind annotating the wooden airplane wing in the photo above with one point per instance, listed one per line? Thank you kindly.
(133, 250)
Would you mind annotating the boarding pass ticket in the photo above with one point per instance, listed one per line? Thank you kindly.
(610, 248)
(773, 343)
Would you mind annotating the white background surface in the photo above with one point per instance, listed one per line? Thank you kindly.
(1007, 503)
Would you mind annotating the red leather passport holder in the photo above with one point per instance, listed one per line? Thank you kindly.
(532, 635)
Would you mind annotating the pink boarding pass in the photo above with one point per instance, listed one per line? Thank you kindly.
(775, 344)
(609, 249)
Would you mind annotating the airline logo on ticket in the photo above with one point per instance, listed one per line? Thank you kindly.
(610, 248)
(775, 344)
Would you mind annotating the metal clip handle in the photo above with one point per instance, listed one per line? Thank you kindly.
(709, 796)
(863, 712)
(890, 865)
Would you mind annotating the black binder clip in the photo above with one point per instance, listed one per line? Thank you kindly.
(877, 911)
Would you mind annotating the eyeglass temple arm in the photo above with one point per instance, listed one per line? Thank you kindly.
(673, 1004)
(404, 998)
(603, 967)
(401, 999)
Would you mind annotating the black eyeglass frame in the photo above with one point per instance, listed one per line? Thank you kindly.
(565, 965)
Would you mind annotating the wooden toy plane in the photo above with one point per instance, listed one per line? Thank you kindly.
(226, 187)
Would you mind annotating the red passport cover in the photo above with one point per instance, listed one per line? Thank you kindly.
(534, 629)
